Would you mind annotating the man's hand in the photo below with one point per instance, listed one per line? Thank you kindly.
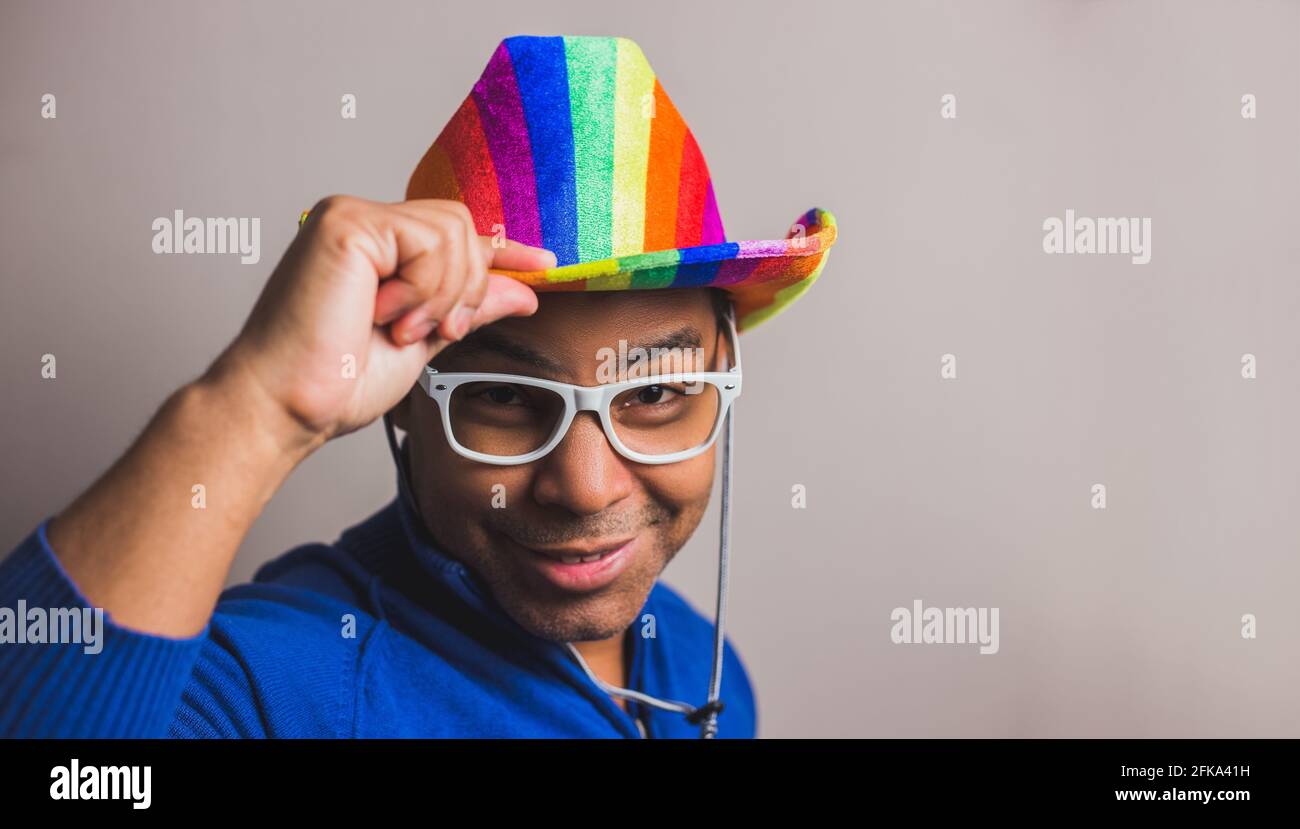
(365, 296)
(375, 287)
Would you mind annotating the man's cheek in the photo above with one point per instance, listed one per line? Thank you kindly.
(481, 492)
(683, 485)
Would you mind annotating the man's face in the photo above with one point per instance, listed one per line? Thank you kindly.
(583, 497)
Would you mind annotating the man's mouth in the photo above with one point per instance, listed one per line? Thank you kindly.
(582, 568)
(581, 555)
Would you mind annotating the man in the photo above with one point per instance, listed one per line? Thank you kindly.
(562, 217)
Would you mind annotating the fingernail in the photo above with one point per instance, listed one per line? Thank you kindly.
(545, 254)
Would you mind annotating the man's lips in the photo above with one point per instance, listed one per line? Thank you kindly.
(585, 554)
(584, 568)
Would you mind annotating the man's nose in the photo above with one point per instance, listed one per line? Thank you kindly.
(584, 474)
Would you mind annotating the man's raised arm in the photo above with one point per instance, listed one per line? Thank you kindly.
(151, 541)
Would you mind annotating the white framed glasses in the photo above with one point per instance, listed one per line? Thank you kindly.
(508, 419)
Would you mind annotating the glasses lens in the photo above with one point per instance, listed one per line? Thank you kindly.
(663, 418)
(504, 419)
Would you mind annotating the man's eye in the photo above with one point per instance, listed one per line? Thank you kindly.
(650, 395)
(503, 395)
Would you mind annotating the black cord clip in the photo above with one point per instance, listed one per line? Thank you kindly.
(697, 716)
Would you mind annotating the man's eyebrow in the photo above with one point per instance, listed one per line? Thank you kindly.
(688, 336)
(486, 340)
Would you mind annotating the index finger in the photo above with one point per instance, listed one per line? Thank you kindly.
(509, 255)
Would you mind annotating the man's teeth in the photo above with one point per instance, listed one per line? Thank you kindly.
(582, 559)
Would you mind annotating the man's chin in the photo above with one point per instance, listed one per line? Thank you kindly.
(577, 618)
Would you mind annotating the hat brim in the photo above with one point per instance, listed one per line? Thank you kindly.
(762, 276)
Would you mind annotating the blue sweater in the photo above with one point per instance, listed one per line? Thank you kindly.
(431, 654)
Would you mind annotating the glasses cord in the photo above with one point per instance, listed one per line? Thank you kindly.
(706, 716)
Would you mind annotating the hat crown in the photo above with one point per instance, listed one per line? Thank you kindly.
(572, 144)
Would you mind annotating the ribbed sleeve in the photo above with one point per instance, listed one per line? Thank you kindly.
(130, 688)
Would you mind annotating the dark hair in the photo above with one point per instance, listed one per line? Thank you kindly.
(721, 304)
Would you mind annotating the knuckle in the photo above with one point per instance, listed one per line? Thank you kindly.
(437, 239)
(476, 290)
(461, 210)
(458, 220)
(336, 217)
(333, 205)
(451, 229)
(478, 259)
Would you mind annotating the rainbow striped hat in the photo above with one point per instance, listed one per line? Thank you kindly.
(572, 144)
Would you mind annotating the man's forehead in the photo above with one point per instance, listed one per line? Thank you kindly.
(570, 333)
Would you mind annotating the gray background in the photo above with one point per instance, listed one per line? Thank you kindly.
(1073, 370)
